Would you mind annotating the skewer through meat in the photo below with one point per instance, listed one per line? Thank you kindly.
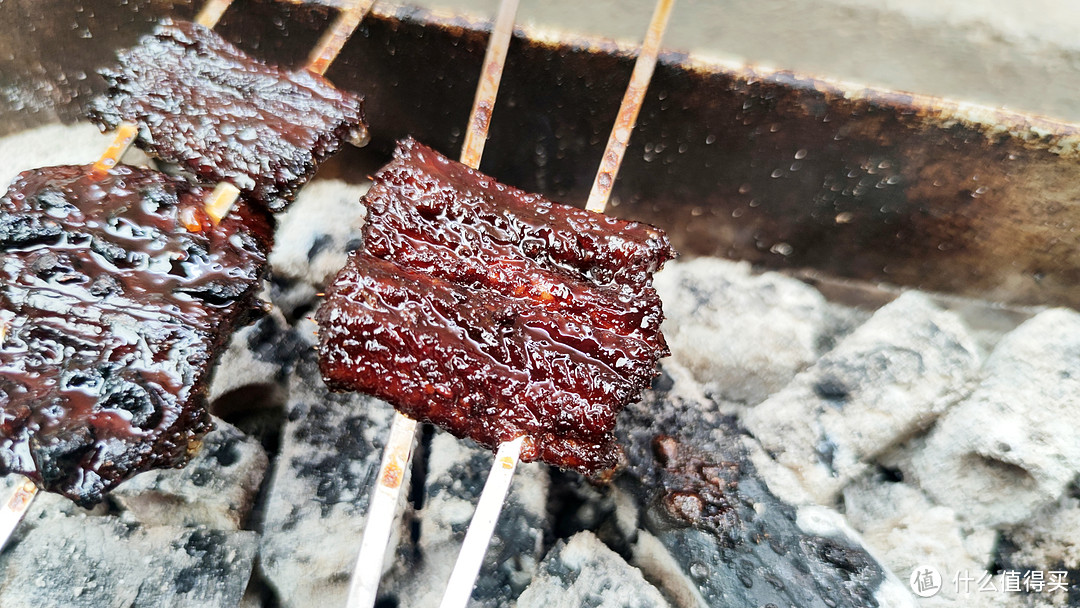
(203, 104)
(495, 313)
(120, 293)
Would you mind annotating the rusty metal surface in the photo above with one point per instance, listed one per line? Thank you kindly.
(778, 169)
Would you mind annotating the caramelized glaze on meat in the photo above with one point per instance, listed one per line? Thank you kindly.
(202, 103)
(495, 313)
(117, 293)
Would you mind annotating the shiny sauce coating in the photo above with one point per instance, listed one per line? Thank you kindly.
(495, 313)
(116, 293)
(203, 104)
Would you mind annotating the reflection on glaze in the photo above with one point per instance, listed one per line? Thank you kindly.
(496, 313)
(119, 292)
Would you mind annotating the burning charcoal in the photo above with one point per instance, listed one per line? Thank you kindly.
(322, 227)
(319, 492)
(582, 571)
(1048, 541)
(727, 536)
(99, 561)
(257, 362)
(907, 531)
(494, 313)
(883, 383)
(742, 335)
(455, 477)
(314, 240)
(203, 104)
(118, 310)
(216, 489)
(1011, 447)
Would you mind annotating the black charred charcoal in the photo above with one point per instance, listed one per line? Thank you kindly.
(495, 313)
(114, 323)
(728, 536)
(202, 103)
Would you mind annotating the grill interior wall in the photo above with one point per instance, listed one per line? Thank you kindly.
(771, 167)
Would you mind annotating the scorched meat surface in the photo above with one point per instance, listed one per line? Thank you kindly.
(202, 103)
(495, 313)
(117, 292)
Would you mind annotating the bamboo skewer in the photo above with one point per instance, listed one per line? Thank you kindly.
(478, 537)
(629, 109)
(211, 12)
(363, 589)
(334, 39)
(15, 508)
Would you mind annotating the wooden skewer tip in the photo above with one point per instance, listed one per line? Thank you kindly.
(211, 12)
(122, 140)
(221, 200)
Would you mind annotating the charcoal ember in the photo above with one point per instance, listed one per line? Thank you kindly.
(318, 494)
(716, 534)
(314, 240)
(203, 104)
(455, 477)
(105, 365)
(100, 561)
(907, 531)
(1010, 448)
(744, 336)
(885, 382)
(582, 571)
(216, 489)
(256, 365)
(495, 313)
(1048, 541)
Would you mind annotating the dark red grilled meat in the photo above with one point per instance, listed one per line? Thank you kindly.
(202, 103)
(495, 313)
(118, 293)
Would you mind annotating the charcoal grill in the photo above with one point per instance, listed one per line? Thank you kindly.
(838, 183)
(773, 167)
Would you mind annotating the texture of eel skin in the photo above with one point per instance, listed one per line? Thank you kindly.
(203, 104)
(495, 313)
(116, 294)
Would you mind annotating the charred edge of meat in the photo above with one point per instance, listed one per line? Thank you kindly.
(203, 104)
(122, 294)
(495, 313)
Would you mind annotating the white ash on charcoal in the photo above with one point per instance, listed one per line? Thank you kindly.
(455, 475)
(743, 335)
(583, 571)
(216, 489)
(313, 239)
(1047, 544)
(320, 488)
(251, 382)
(257, 361)
(1012, 447)
(735, 542)
(906, 530)
(100, 562)
(884, 382)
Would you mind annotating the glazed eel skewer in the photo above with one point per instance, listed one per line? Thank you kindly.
(478, 536)
(389, 484)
